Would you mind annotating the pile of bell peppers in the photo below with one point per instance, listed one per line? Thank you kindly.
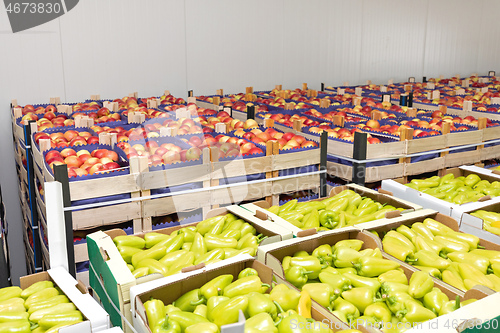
(454, 257)
(458, 190)
(344, 209)
(491, 221)
(40, 308)
(362, 288)
(211, 240)
(219, 301)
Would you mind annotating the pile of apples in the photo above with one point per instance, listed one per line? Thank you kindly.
(149, 113)
(287, 119)
(83, 162)
(286, 140)
(166, 153)
(69, 138)
(329, 116)
(342, 133)
(183, 126)
(228, 146)
(102, 115)
(169, 99)
(49, 119)
(209, 122)
(468, 120)
(121, 133)
(86, 106)
(39, 110)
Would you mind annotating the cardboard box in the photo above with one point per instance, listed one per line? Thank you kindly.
(170, 288)
(384, 198)
(96, 318)
(273, 254)
(397, 188)
(110, 276)
(474, 225)
(420, 216)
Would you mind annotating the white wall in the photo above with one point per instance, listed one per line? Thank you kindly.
(114, 47)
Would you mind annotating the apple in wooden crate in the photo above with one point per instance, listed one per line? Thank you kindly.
(82, 163)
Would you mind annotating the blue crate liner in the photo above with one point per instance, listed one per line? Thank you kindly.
(368, 165)
(241, 179)
(189, 219)
(301, 199)
(123, 161)
(462, 150)
(177, 188)
(82, 267)
(491, 166)
(298, 171)
(332, 184)
(100, 199)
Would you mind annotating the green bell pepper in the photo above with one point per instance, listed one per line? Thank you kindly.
(59, 308)
(12, 305)
(247, 272)
(361, 281)
(212, 303)
(324, 253)
(202, 328)
(154, 266)
(379, 311)
(393, 276)
(435, 299)
(259, 303)
(261, 322)
(205, 226)
(373, 267)
(215, 242)
(329, 219)
(420, 284)
(311, 221)
(311, 263)
(227, 312)
(166, 325)
(287, 298)
(354, 244)
(244, 286)
(153, 253)
(339, 282)
(215, 286)
(210, 256)
(132, 241)
(153, 238)
(345, 257)
(190, 300)
(429, 259)
(361, 297)
(322, 293)
(13, 316)
(34, 288)
(186, 319)
(48, 321)
(346, 308)
(155, 311)
(40, 296)
(18, 326)
(289, 206)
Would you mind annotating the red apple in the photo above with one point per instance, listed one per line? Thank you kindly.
(73, 161)
(68, 152)
(193, 153)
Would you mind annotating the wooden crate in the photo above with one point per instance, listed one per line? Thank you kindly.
(95, 188)
(372, 174)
